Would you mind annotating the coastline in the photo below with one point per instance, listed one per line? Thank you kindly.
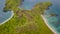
(48, 25)
(8, 18)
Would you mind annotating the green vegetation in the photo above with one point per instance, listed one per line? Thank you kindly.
(41, 7)
(25, 21)
(12, 4)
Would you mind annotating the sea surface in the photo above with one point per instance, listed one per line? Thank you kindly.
(4, 15)
(53, 21)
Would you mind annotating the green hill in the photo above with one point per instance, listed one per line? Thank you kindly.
(25, 21)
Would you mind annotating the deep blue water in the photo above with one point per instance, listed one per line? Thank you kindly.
(53, 21)
(3, 15)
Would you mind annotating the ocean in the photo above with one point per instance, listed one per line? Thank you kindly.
(53, 21)
(4, 15)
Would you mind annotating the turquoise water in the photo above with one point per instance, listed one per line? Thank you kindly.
(53, 21)
(3, 15)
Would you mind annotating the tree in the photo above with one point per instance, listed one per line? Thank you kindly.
(41, 7)
(12, 4)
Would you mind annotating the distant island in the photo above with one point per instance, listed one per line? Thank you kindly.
(25, 21)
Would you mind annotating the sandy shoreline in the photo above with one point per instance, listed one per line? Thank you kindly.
(41, 16)
(48, 25)
(8, 18)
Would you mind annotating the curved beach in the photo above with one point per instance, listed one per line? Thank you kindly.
(48, 25)
(8, 18)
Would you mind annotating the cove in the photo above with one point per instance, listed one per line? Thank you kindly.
(53, 21)
(4, 15)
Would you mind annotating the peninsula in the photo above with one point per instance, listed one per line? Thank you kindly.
(25, 21)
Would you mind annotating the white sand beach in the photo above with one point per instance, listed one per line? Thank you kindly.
(48, 25)
(8, 18)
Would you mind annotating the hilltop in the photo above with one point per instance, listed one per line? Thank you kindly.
(25, 21)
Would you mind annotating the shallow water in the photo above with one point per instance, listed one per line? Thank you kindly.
(3, 15)
(53, 21)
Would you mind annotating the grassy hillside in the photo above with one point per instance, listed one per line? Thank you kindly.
(25, 21)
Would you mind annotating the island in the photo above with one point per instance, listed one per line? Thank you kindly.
(25, 21)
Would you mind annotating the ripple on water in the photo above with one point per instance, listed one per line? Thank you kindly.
(53, 21)
(4, 15)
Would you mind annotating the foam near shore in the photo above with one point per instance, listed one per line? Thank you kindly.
(8, 18)
(48, 25)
